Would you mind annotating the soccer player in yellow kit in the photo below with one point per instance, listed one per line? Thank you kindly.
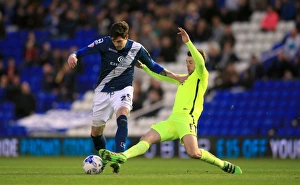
(182, 123)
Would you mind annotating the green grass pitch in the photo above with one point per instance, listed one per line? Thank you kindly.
(142, 171)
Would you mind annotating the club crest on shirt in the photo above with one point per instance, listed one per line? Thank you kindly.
(121, 59)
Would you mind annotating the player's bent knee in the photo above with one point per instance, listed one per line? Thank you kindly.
(123, 110)
(97, 128)
(97, 131)
(98, 123)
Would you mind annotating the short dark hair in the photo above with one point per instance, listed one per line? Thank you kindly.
(119, 29)
(200, 51)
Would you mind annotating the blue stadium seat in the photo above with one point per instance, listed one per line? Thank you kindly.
(45, 101)
(7, 106)
(203, 132)
(247, 132)
(4, 124)
(267, 106)
(288, 132)
(90, 34)
(16, 131)
(41, 34)
(23, 34)
(63, 105)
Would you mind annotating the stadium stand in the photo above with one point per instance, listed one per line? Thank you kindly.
(271, 107)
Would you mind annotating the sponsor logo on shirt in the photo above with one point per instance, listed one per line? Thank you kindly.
(115, 51)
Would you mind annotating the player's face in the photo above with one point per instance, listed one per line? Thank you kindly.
(190, 64)
(119, 42)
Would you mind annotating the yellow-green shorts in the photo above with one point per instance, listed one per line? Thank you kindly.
(175, 127)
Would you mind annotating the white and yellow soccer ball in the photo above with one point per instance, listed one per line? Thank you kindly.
(92, 164)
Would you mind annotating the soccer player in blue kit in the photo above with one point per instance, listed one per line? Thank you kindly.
(114, 91)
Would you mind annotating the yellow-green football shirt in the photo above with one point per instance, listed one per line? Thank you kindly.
(190, 94)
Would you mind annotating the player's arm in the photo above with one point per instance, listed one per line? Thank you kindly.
(155, 75)
(155, 67)
(199, 61)
(90, 49)
(198, 58)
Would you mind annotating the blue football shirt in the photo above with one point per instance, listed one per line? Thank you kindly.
(117, 67)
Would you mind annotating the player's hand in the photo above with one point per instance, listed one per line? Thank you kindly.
(181, 79)
(139, 64)
(184, 36)
(72, 60)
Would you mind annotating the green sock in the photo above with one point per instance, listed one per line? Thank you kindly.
(211, 159)
(138, 149)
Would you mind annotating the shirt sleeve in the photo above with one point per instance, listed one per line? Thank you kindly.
(149, 62)
(85, 51)
(199, 61)
(92, 48)
(160, 77)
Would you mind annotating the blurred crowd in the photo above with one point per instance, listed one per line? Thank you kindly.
(153, 24)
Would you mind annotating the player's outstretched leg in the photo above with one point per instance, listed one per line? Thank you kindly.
(231, 168)
(112, 156)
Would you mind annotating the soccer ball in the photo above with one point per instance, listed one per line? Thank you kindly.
(92, 164)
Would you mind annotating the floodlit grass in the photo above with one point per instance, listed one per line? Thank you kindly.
(141, 171)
